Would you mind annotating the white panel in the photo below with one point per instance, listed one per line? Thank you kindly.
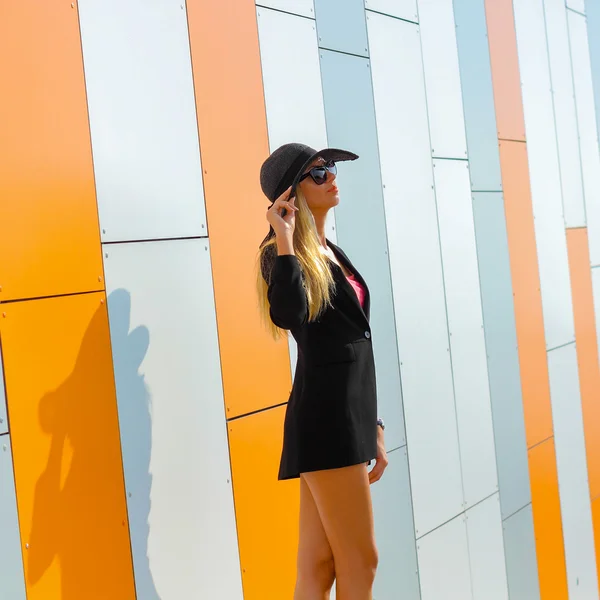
(596, 288)
(292, 83)
(588, 136)
(578, 5)
(297, 7)
(486, 550)
(442, 79)
(394, 531)
(465, 319)
(3, 417)
(12, 578)
(404, 9)
(544, 173)
(444, 563)
(417, 283)
(172, 421)
(578, 531)
(565, 112)
(143, 119)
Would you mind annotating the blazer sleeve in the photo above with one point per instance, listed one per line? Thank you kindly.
(286, 293)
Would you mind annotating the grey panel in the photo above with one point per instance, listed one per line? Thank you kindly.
(341, 26)
(12, 579)
(501, 345)
(394, 532)
(478, 95)
(593, 22)
(360, 217)
(521, 561)
(3, 417)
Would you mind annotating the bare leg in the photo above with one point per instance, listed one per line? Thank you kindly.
(315, 559)
(343, 499)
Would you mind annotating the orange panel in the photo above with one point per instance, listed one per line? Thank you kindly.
(527, 296)
(49, 238)
(547, 522)
(587, 349)
(596, 520)
(505, 69)
(267, 510)
(67, 453)
(233, 140)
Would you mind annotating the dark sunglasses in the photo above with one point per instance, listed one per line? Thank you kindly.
(319, 174)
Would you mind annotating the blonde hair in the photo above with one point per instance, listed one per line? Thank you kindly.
(317, 277)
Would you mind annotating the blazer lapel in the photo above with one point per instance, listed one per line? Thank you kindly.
(340, 254)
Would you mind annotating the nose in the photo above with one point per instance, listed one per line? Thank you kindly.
(331, 176)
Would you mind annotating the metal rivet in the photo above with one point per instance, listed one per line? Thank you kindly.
(99, 278)
(104, 231)
(106, 255)
(4, 315)
(72, 4)
(27, 546)
(102, 301)
(1, 420)
(4, 447)
(129, 494)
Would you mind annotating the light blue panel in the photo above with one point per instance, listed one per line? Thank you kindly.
(142, 109)
(172, 420)
(341, 26)
(3, 417)
(521, 561)
(360, 217)
(478, 95)
(394, 530)
(501, 346)
(12, 579)
(592, 8)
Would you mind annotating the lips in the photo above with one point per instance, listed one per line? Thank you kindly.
(333, 189)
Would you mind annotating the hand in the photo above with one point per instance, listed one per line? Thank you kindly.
(381, 461)
(283, 225)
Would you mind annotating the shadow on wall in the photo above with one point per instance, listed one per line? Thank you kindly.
(135, 422)
(78, 468)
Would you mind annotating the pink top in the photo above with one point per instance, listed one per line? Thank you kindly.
(360, 292)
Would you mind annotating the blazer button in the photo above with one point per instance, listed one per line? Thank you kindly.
(367, 334)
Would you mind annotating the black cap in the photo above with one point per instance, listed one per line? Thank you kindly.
(285, 166)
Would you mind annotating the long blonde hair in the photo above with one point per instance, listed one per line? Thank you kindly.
(317, 277)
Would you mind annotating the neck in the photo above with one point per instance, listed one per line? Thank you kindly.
(320, 219)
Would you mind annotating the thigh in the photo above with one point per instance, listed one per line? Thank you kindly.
(313, 547)
(343, 499)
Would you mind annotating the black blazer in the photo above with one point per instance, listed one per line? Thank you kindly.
(331, 416)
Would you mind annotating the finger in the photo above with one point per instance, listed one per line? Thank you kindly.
(285, 194)
(380, 466)
(376, 473)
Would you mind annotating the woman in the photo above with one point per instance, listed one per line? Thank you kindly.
(308, 286)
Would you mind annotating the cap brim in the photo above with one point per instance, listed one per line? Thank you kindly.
(327, 154)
